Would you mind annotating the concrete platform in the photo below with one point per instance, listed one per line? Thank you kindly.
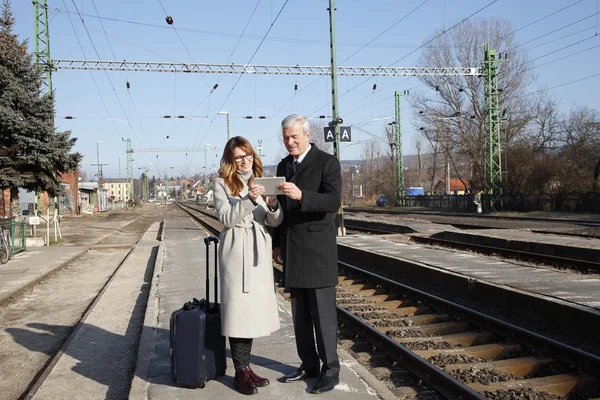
(563, 246)
(25, 269)
(179, 276)
(396, 226)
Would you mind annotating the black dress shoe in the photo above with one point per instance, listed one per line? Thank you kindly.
(297, 376)
(325, 384)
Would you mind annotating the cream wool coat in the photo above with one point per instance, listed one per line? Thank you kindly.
(248, 302)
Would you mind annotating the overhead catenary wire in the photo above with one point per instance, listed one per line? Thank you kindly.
(556, 30)
(545, 17)
(241, 75)
(347, 58)
(384, 31)
(418, 48)
(232, 52)
(250, 37)
(181, 41)
(107, 77)
(125, 78)
(91, 74)
(553, 40)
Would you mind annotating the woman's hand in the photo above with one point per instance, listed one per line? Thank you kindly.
(255, 191)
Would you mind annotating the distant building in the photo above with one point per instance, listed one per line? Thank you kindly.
(117, 190)
(457, 186)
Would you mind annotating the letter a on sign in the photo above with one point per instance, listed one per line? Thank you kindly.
(345, 134)
(328, 134)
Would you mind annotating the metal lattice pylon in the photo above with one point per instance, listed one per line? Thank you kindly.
(399, 157)
(492, 163)
(42, 43)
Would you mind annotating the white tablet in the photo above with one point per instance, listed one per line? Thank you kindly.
(270, 184)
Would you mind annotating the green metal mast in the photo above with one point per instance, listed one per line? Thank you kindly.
(42, 43)
(129, 164)
(336, 121)
(399, 160)
(492, 163)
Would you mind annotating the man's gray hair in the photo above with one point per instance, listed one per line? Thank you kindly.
(292, 119)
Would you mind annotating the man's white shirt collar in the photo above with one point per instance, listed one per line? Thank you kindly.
(299, 159)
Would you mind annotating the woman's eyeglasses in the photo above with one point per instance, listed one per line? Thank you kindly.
(239, 159)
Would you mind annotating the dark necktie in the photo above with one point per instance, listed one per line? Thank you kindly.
(296, 165)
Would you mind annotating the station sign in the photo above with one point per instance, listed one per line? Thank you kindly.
(345, 134)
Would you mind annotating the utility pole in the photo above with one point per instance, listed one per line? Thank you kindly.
(492, 171)
(227, 115)
(129, 164)
(336, 120)
(42, 43)
(399, 159)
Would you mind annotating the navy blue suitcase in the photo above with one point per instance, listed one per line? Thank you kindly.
(197, 346)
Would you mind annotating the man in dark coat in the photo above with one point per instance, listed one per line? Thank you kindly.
(305, 243)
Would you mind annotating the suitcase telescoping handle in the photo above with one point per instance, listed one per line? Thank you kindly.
(207, 241)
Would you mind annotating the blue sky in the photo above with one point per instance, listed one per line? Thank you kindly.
(209, 31)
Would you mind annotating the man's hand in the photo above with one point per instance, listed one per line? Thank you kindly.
(271, 202)
(277, 257)
(290, 190)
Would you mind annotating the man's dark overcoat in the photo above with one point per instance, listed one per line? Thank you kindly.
(307, 236)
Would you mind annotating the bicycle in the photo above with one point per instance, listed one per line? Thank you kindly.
(5, 247)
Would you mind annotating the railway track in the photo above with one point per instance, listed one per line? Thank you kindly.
(583, 261)
(441, 349)
(42, 320)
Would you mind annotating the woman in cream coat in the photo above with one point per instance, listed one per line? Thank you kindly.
(248, 303)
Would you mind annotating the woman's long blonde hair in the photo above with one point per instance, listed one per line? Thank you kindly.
(228, 168)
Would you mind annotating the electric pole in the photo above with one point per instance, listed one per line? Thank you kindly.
(492, 171)
(399, 159)
(129, 164)
(42, 43)
(334, 108)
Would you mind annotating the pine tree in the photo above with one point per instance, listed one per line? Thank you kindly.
(31, 150)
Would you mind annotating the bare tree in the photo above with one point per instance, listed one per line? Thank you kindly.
(454, 107)
(580, 150)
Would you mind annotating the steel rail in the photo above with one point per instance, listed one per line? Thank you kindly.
(433, 376)
(571, 355)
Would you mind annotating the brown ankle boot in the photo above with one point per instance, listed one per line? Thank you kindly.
(257, 380)
(243, 382)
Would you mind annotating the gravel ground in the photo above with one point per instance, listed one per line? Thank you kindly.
(484, 376)
(519, 394)
(429, 345)
(402, 333)
(441, 360)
